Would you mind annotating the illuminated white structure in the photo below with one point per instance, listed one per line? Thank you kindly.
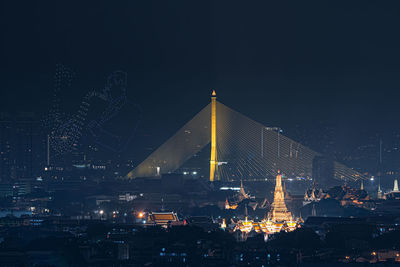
(396, 186)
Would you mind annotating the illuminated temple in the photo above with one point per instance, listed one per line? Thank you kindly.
(163, 219)
(278, 219)
(279, 211)
(242, 195)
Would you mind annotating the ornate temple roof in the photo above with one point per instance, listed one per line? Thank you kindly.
(279, 211)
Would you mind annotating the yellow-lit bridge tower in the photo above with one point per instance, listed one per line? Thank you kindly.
(213, 158)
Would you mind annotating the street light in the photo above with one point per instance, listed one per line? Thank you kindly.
(101, 212)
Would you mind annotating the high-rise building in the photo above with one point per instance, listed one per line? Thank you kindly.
(22, 147)
(123, 251)
(323, 171)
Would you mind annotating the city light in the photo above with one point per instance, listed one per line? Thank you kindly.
(229, 188)
(200, 179)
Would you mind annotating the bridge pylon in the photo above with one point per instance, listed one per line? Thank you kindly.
(213, 158)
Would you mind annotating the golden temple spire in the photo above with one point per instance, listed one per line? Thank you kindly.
(279, 212)
(242, 193)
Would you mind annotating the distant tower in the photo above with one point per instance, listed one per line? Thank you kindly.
(279, 212)
(380, 151)
(313, 211)
(158, 171)
(162, 204)
(380, 168)
(223, 224)
(48, 150)
(227, 206)
(396, 186)
(242, 193)
(362, 185)
(213, 158)
(380, 195)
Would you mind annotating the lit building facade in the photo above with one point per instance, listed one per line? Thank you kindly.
(279, 211)
(163, 219)
(278, 219)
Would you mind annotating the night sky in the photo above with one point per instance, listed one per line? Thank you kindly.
(283, 64)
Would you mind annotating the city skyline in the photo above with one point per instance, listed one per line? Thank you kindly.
(212, 133)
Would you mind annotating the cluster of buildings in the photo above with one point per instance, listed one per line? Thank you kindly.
(278, 218)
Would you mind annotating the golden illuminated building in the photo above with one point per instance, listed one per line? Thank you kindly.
(245, 226)
(162, 218)
(213, 158)
(270, 227)
(242, 194)
(279, 211)
(279, 218)
(266, 226)
(230, 206)
(223, 224)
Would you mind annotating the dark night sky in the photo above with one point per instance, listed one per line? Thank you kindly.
(280, 63)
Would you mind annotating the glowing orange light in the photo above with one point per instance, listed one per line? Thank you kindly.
(141, 215)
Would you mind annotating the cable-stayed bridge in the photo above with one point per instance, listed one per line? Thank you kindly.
(241, 149)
